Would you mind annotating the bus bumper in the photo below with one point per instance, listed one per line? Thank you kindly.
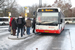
(48, 31)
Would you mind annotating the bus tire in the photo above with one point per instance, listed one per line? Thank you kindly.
(2, 24)
(35, 33)
(67, 23)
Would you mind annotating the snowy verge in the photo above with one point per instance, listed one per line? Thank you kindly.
(4, 33)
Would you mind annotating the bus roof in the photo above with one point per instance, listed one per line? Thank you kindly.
(69, 17)
(4, 17)
(49, 8)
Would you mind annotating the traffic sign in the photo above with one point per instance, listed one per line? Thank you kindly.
(26, 10)
(25, 7)
(9, 13)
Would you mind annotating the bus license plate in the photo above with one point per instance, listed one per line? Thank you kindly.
(46, 31)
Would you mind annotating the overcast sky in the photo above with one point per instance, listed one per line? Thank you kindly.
(32, 2)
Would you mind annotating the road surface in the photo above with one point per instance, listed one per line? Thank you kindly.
(64, 41)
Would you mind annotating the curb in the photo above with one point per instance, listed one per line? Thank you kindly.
(20, 38)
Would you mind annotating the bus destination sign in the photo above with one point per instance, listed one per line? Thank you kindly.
(48, 10)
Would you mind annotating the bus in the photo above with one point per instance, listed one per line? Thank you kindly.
(69, 20)
(49, 20)
(4, 20)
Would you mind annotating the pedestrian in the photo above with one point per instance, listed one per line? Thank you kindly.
(20, 25)
(28, 25)
(33, 25)
(11, 25)
(14, 26)
(24, 26)
(24, 30)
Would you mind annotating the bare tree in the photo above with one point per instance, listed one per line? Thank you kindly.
(32, 9)
(65, 7)
(1, 2)
(73, 12)
(9, 6)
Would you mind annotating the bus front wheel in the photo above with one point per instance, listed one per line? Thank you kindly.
(67, 23)
(3, 23)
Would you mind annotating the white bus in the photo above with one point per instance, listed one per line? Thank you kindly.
(49, 20)
(69, 20)
(4, 20)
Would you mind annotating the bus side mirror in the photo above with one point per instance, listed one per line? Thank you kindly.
(60, 21)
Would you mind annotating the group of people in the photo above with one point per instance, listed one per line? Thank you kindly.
(20, 24)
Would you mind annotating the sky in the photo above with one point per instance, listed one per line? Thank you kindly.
(33, 2)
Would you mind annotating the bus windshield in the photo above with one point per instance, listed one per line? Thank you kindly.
(47, 17)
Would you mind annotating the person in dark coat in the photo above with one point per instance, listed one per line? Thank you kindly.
(14, 26)
(20, 25)
(33, 25)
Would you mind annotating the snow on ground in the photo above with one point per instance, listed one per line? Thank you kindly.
(41, 44)
(3, 33)
(4, 26)
(6, 43)
(72, 35)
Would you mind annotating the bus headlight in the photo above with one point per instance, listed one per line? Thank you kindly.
(37, 27)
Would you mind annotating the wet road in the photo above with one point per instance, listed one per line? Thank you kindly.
(4, 31)
(46, 42)
(64, 41)
(71, 28)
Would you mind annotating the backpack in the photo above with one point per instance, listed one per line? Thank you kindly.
(19, 21)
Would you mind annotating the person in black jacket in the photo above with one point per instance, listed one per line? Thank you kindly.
(20, 25)
(34, 25)
(14, 26)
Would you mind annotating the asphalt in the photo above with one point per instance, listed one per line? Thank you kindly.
(63, 41)
(58, 42)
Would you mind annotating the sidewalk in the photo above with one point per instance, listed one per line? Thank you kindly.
(19, 38)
